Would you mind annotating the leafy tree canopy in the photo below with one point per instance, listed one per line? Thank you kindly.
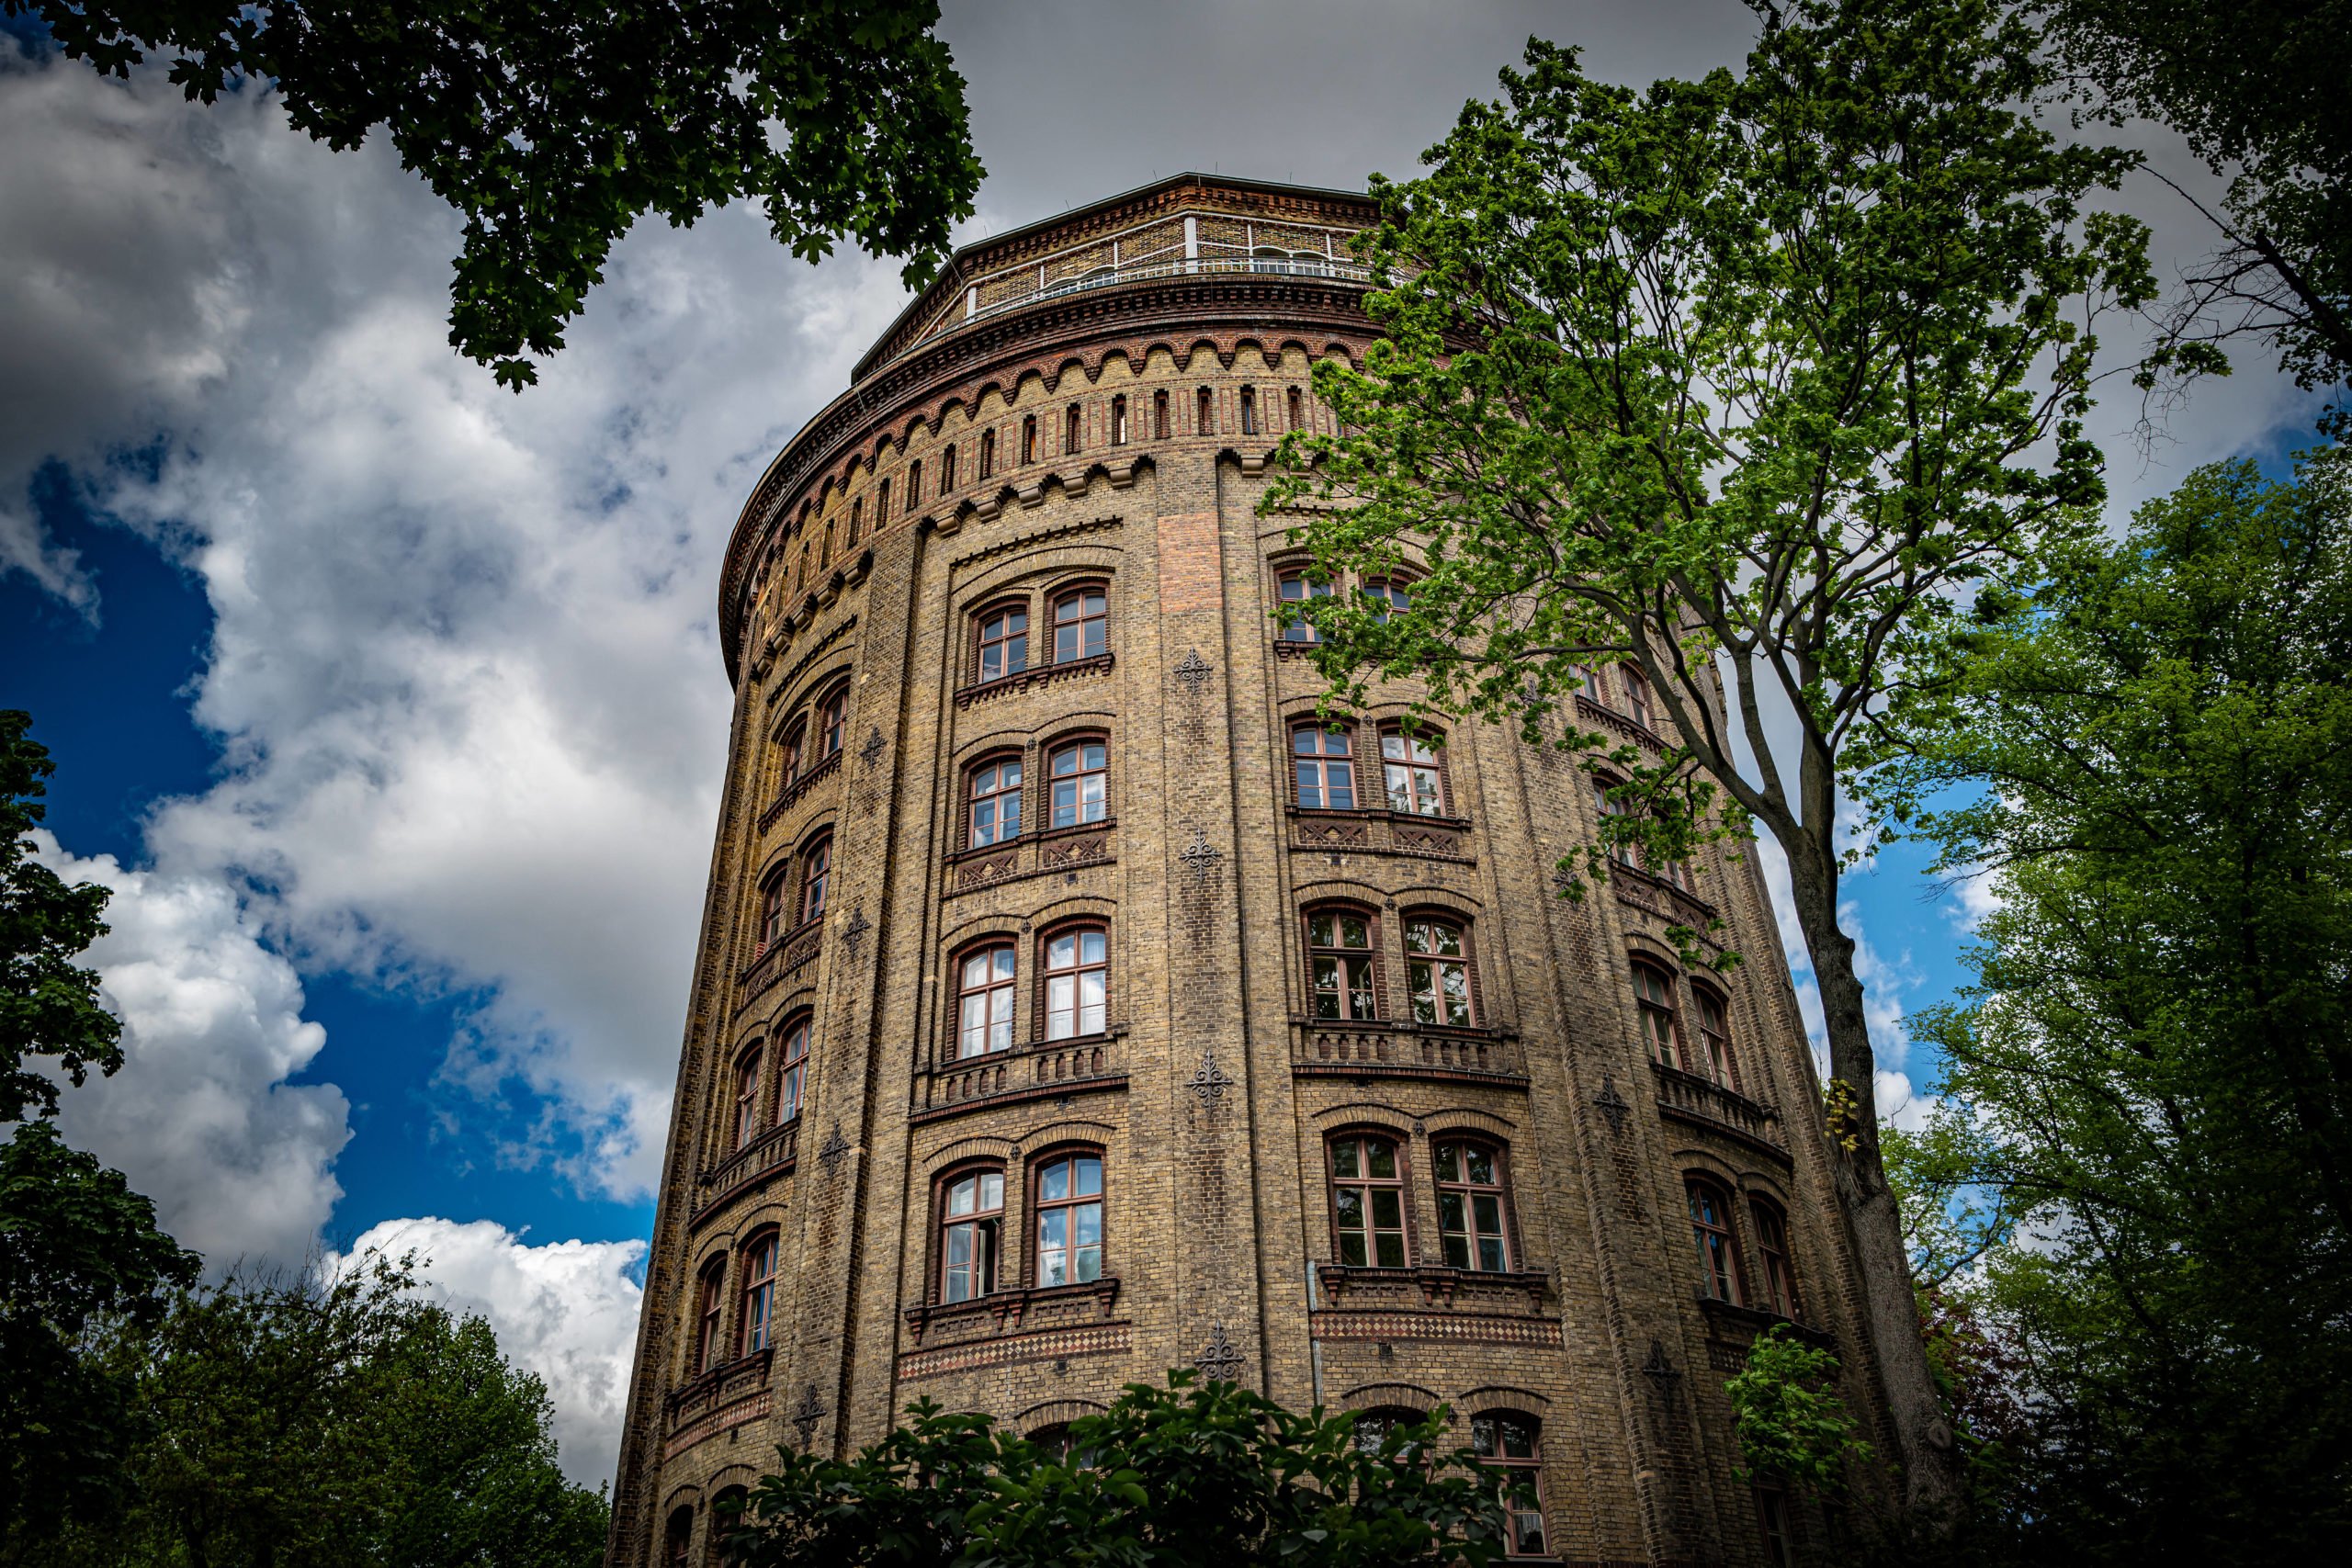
(1751, 382)
(49, 1005)
(2151, 1071)
(2259, 90)
(331, 1417)
(1171, 1478)
(552, 124)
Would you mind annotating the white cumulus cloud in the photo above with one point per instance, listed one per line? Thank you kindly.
(565, 1309)
(201, 1118)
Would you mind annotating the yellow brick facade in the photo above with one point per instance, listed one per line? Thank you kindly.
(1209, 1089)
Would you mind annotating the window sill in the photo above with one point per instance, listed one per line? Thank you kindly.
(1007, 1307)
(1687, 1097)
(1003, 846)
(1378, 814)
(1632, 729)
(1753, 1321)
(798, 789)
(1036, 675)
(742, 1375)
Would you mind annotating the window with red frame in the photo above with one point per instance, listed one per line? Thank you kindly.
(1073, 428)
(1323, 764)
(1372, 1427)
(833, 718)
(1341, 980)
(1772, 1514)
(759, 1297)
(1249, 411)
(815, 874)
(946, 468)
(1470, 1207)
(1082, 625)
(1205, 422)
(1410, 769)
(792, 1068)
(747, 1098)
(1388, 596)
(984, 1001)
(1638, 698)
(1004, 641)
(1028, 438)
(1602, 802)
(1297, 410)
(856, 521)
(678, 1539)
(1296, 589)
(1715, 1038)
(988, 454)
(971, 1230)
(1070, 1221)
(996, 802)
(711, 1313)
(1654, 1001)
(914, 484)
(1711, 1228)
(1077, 982)
(1119, 421)
(774, 908)
(1159, 416)
(1368, 1201)
(1079, 778)
(1505, 1443)
(1773, 1251)
(1437, 972)
(881, 506)
(793, 746)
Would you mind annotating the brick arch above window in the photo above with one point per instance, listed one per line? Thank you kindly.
(964, 1151)
(1054, 1412)
(1365, 1113)
(1500, 1396)
(1403, 1395)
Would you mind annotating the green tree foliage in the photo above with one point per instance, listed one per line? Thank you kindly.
(334, 1418)
(1757, 376)
(78, 1249)
(1172, 1478)
(1792, 1422)
(2261, 91)
(552, 124)
(49, 1005)
(2153, 1067)
(79, 1256)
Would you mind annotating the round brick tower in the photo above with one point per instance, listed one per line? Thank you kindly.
(1070, 1006)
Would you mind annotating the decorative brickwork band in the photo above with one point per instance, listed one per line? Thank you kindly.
(1459, 1328)
(1044, 1345)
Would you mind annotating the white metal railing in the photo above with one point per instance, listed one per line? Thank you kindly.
(1346, 272)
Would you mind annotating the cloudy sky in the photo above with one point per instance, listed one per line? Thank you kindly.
(388, 703)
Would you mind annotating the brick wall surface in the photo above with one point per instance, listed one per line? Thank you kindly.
(1210, 1097)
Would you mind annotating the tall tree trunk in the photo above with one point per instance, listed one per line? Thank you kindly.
(1930, 1459)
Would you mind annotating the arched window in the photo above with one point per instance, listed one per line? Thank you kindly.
(881, 506)
(1119, 420)
(725, 1518)
(1070, 1221)
(988, 453)
(1055, 1443)
(815, 873)
(1638, 698)
(1296, 407)
(984, 1001)
(948, 468)
(1413, 772)
(758, 1325)
(1654, 1000)
(1077, 976)
(971, 1226)
(1772, 1514)
(1028, 438)
(711, 1313)
(793, 748)
(914, 484)
(1296, 588)
(1437, 972)
(832, 720)
(1249, 411)
(1340, 976)
(1081, 623)
(1206, 424)
(1322, 763)
(1602, 802)
(1368, 1200)
(1159, 415)
(1390, 596)
(792, 1071)
(1372, 1426)
(1004, 641)
(1470, 1206)
(800, 578)
(1773, 1251)
(825, 556)
(857, 519)
(678, 1539)
(1079, 778)
(1506, 1442)
(747, 1098)
(1715, 1038)
(1073, 427)
(1711, 1228)
(996, 802)
(776, 907)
